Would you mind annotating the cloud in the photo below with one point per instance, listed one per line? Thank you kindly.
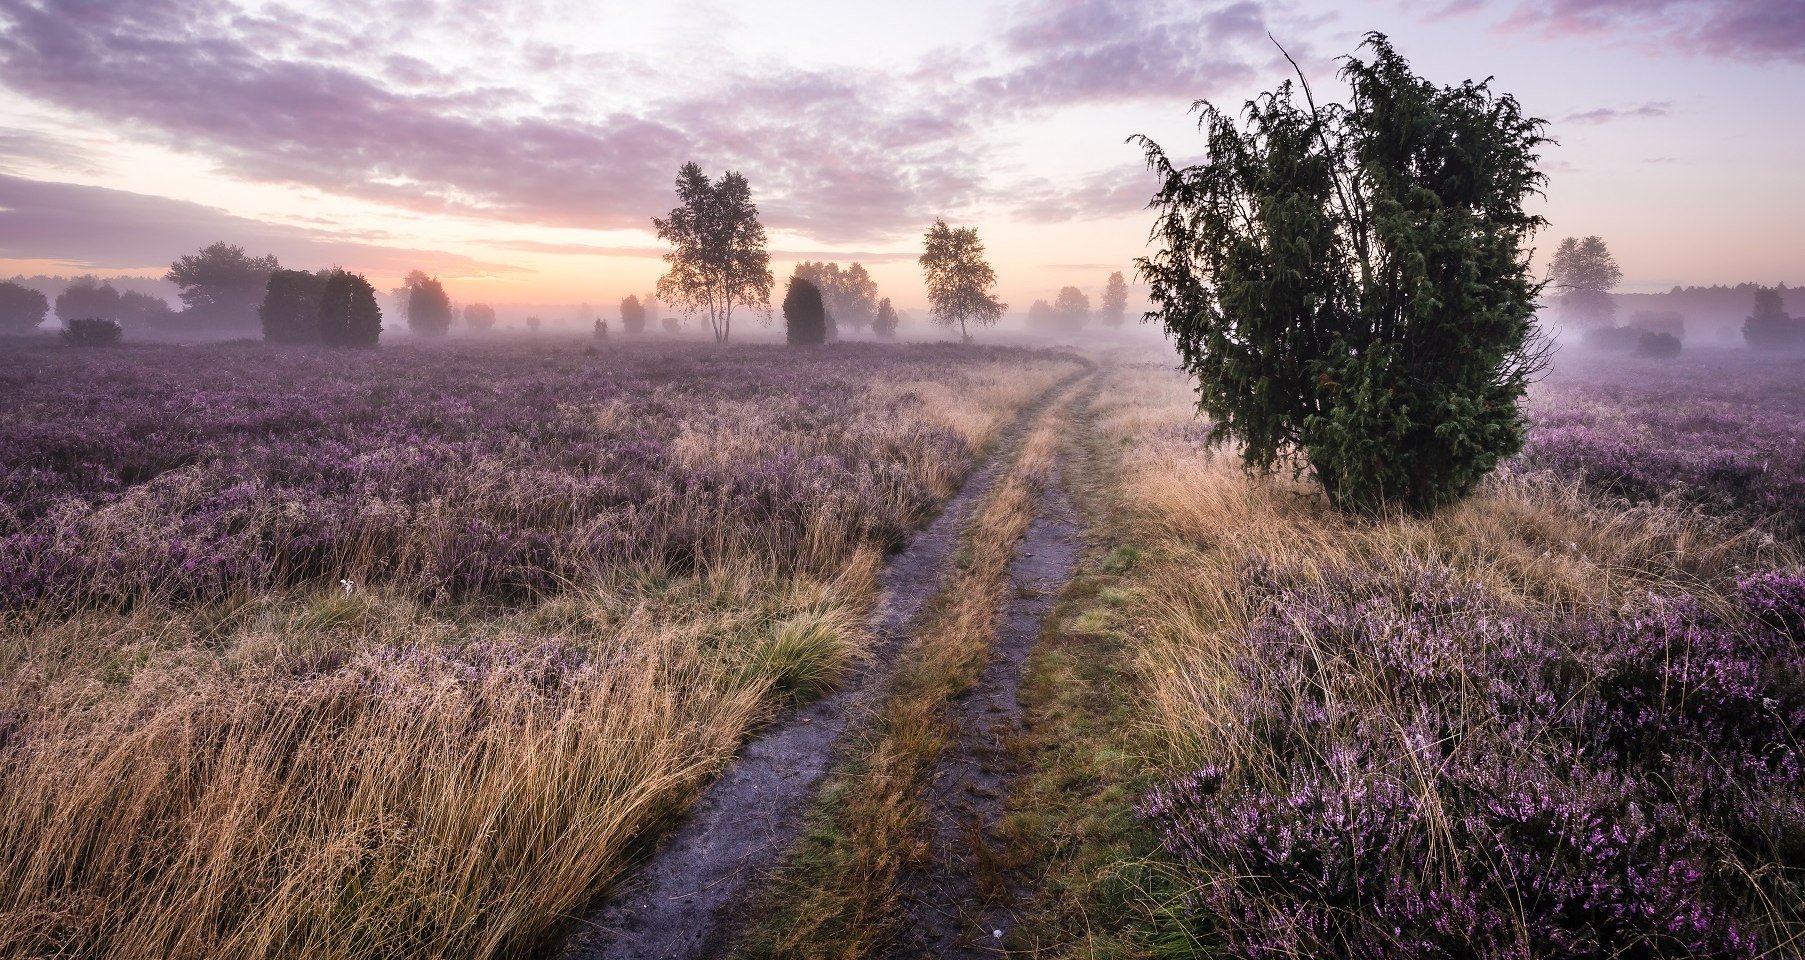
(1116, 192)
(329, 96)
(97, 228)
(1657, 108)
(1755, 30)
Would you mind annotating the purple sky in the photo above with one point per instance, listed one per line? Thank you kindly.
(519, 148)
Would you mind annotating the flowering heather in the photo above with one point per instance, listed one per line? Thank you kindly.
(1431, 771)
(193, 474)
(1717, 428)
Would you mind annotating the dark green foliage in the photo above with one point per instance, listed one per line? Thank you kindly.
(1349, 285)
(633, 315)
(349, 316)
(885, 323)
(429, 310)
(92, 331)
(1662, 346)
(291, 306)
(1769, 327)
(21, 308)
(804, 315)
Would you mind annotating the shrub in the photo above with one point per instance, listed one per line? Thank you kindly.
(1381, 335)
(291, 306)
(804, 315)
(1664, 346)
(349, 316)
(672, 325)
(1426, 770)
(632, 315)
(21, 308)
(88, 297)
(92, 331)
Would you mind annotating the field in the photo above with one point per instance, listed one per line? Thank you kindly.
(396, 654)
(418, 653)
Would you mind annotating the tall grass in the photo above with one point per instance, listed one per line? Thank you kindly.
(1537, 723)
(373, 769)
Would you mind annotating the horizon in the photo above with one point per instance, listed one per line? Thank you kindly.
(525, 170)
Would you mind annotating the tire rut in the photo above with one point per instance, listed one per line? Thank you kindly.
(687, 898)
(963, 901)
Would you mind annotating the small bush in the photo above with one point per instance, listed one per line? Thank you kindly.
(804, 315)
(93, 332)
(1664, 346)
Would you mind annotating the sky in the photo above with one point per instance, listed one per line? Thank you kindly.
(518, 149)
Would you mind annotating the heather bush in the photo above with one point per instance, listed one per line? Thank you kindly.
(92, 331)
(1715, 430)
(1425, 769)
(483, 473)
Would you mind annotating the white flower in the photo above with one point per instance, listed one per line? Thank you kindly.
(349, 585)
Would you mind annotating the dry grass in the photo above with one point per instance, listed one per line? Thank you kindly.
(836, 898)
(323, 774)
(1199, 520)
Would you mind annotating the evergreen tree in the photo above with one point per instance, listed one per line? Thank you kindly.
(291, 306)
(349, 316)
(1350, 286)
(804, 314)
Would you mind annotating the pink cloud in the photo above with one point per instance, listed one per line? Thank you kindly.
(1729, 29)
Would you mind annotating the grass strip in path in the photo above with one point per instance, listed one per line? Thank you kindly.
(838, 896)
(686, 898)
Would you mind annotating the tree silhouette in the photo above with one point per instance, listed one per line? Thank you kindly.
(959, 279)
(1114, 308)
(1583, 274)
(717, 260)
(886, 321)
(804, 314)
(349, 316)
(429, 310)
(479, 316)
(21, 308)
(1350, 286)
(1769, 327)
(291, 306)
(632, 315)
(221, 286)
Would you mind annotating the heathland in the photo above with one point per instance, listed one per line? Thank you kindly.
(414, 653)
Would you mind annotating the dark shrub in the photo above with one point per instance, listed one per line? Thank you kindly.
(93, 331)
(632, 315)
(291, 306)
(21, 308)
(1663, 346)
(1616, 339)
(804, 315)
(349, 316)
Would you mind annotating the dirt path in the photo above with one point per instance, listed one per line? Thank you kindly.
(962, 903)
(685, 900)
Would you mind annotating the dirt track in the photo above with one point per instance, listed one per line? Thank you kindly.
(962, 903)
(687, 899)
